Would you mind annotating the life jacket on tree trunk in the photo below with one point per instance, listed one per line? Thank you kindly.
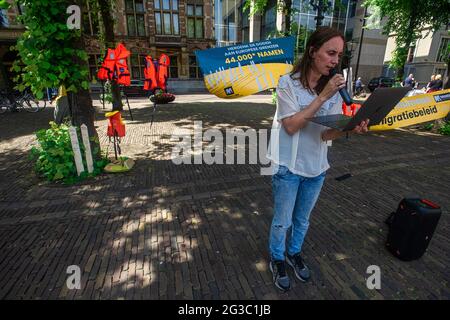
(122, 73)
(150, 82)
(106, 71)
(163, 71)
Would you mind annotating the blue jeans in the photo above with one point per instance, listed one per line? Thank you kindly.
(294, 198)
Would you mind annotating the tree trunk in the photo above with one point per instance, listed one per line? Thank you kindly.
(83, 111)
(108, 27)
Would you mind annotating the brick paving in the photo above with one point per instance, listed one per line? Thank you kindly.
(166, 231)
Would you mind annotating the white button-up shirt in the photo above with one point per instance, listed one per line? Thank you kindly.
(304, 153)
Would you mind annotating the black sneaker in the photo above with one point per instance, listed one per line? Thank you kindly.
(280, 277)
(300, 269)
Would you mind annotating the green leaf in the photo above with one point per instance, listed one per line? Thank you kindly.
(4, 5)
(45, 65)
(54, 10)
(39, 95)
(72, 88)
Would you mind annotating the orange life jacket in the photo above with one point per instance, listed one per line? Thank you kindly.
(116, 127)
(149, 74)
(122, 72)
(350, 110)
(106, 71)
(163, 71)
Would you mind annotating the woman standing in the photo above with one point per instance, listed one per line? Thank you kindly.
(298, 148)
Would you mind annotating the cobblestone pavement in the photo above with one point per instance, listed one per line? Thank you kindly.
(166, 231)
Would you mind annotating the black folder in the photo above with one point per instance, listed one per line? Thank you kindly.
(375, 108)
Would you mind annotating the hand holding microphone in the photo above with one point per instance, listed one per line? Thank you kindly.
(336, 83)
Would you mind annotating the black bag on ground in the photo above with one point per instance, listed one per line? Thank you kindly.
(411, 228)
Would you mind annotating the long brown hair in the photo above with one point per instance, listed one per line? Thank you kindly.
(315, 41)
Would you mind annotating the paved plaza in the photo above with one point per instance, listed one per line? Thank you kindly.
(166, 231)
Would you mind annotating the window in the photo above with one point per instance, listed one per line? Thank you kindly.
(269, 19)
(195, 21)
(166, 17)
(135, 17)
(411, 51)
(194, 70)
(443, 51)
(173, 68)
(230, 27)
(90, 21)
(352, 9)
(348, 35)
(245, 25)
(94, 64)
(137, 63)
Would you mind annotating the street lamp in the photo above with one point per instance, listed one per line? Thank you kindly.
(360, 42)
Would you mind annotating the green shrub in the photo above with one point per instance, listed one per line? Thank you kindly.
(54, 156)
(445, 130)
(274, 97)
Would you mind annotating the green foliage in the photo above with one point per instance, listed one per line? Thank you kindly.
(398, 60)
(54, 156)
(47, 49)
(4, 5)
(428, 126)
(258, 6)
(274, 97)
(406, 19)
(445, 129)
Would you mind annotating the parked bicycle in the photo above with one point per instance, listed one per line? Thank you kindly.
(20, 100)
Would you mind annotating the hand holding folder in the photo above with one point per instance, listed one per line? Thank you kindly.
(375, 109)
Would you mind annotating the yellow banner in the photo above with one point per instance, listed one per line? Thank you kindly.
(416, 109)
(247, 80)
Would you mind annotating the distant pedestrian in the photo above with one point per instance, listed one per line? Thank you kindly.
(432, 81)
(437, 84)
(358, 86)
(408, 82)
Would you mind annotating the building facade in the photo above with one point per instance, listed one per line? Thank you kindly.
(233, 25)
(146, 27)
(425, 58)
(10, 30)
(367, 46)
(180, 27)
(152, 27)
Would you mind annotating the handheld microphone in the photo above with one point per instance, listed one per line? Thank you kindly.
(344, 94)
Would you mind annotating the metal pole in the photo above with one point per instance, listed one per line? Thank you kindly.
(360, 43)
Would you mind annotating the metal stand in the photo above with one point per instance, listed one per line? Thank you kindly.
(116, 142)
(153, 113)
(128, 103)
(103, 93)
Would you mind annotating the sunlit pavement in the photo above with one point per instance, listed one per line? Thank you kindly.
(166, 231)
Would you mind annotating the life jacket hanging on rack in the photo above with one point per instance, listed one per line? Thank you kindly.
(122, 73)
(150, 82)
(106, 71)
(163, 71)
